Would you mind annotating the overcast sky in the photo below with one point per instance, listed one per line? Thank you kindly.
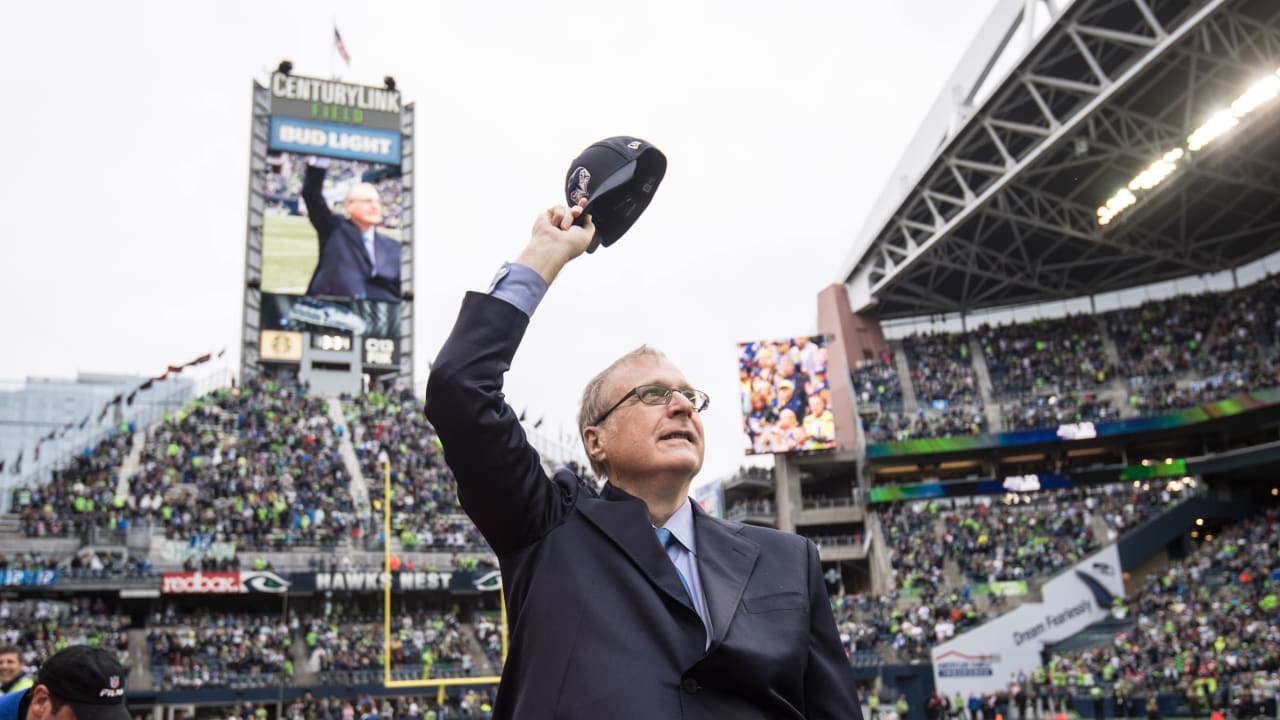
(127, 127)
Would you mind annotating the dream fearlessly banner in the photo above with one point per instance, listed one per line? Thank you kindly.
(983, 659)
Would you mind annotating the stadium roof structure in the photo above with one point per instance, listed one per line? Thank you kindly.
(1130, 142)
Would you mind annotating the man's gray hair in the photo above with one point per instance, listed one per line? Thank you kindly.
(351, 191)
(594, 403)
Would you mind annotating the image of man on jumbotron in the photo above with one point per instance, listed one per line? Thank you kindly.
(309, 249)
(355, 259)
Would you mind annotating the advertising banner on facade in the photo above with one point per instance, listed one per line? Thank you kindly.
(29, 577)
(984, 659)
(404, 581)
(223, 583)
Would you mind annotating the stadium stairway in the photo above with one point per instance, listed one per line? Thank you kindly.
(139, 660)
(302, 673)
(131, 463)
(1109, 348)
(985, 389)
(1098, 524)
(359, 487)
(951, 573)
(909, 402)
(882, 580)
(476, 650)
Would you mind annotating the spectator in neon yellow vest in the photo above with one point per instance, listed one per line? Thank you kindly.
(12, 677)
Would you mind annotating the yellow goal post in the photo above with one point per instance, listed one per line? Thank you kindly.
(440, 683)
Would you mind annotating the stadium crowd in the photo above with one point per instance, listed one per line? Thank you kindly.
(876, 381)
(466, 703)
(1066, 353)
(208, 649)
(1018, 541)
(1169, 354)
(988, 541)
(1161, 338)
(925, 424)
(1051, 411)
(1207, 629)
(40, 628)
(941, 370)
(424, 508)
(347, 647)
(257, 465)
(80, 496)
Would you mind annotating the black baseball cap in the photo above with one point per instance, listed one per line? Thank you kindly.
(618, 176)
(90, 679)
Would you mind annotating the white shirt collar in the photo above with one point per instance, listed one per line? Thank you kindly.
(681, 526)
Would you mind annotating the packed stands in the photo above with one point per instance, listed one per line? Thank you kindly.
(1019, 541)
(348, 649)
(256, 465)
(925, 424)
(916, 553)
(1125, 506)
(489, 635)
(1057, 409)
(875, 629)
(1161, 356)
(463, 703)
(942, 371)
(424, 508)
(1208, 627)
(212, 650)
(39, 628)
(1161, 338)
(1027, 358)
(79, 497)
(876, 381)
(948, 556)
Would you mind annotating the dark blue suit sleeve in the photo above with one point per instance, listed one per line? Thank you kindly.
(501, 483)
(318, 211)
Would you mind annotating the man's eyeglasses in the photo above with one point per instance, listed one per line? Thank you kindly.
(659, 395)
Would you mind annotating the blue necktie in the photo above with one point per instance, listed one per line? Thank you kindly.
(666, 538)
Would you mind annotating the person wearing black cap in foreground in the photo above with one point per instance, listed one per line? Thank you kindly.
(632, 603)
(77, 683)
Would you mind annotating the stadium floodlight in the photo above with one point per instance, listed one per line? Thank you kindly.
(1218, 124)
(1216, 127)
(1258, 95)
(1115, 205)
(1157, 171)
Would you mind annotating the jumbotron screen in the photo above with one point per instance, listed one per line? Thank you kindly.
(334, 209)
(786, 400)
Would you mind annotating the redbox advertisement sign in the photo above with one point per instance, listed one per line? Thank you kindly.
(222, 583)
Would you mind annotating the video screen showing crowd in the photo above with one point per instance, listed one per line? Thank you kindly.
(786, 399)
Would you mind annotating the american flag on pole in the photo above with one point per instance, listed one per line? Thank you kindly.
(342, 49)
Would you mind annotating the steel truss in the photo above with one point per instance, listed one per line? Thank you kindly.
(1007, 212)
